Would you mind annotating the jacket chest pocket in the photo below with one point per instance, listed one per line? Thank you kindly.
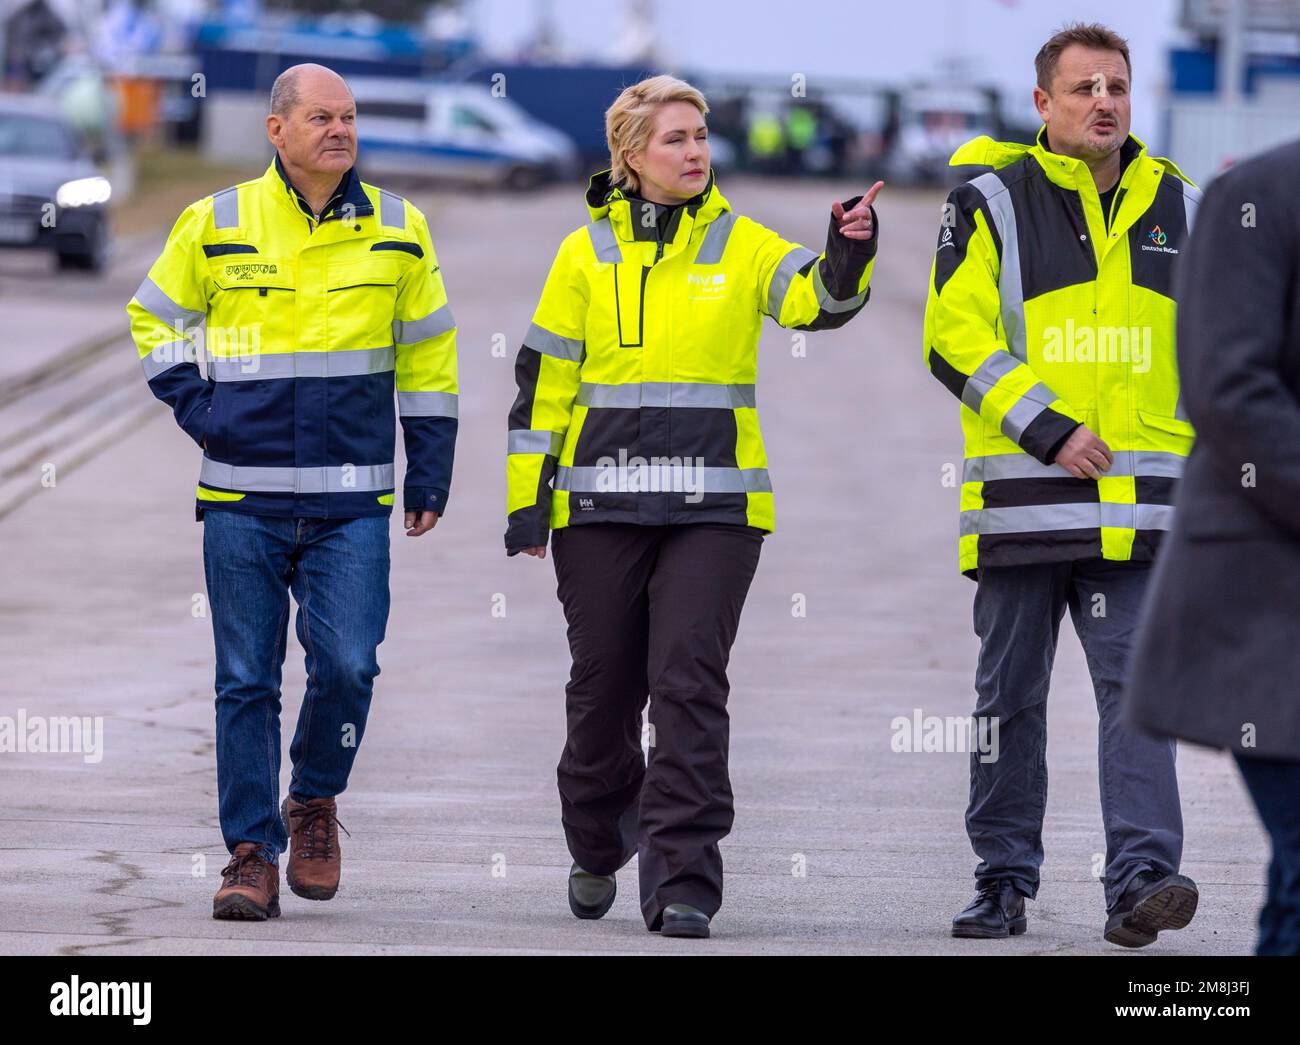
(244, 272)
(361, 302)
(1171, 433)
(248, 292)
(629, 279)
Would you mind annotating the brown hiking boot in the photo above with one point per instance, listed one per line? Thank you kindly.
(314, 857)
(250, 887)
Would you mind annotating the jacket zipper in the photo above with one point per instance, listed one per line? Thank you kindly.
(659, 253)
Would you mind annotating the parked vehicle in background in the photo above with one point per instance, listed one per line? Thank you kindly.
(569, 97)
(426, 129)
(52, 196)
(932, 122)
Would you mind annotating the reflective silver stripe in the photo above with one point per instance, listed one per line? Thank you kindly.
(534, 441)
(1148, 462)
(621, 396)
(276, 366)
(163, 308)
(715, 239)
(1011, 288)
(165, 356)
(833, 304)
(1155, 516)
(392, 210)
(1031, 518)
(428, 404)
(409, 331)
(986, 375)
(225, 209)
(1009, 466)
(1191, 200)
(1137, 516)
(604, 242)
(661, 393)
(670, 477)
(539, 339)
(1025, 409)
(328, 479)
(1036, 518)
(795, 259)
(1024, 466)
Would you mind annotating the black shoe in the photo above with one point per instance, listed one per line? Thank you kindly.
(590, 895)
(1152, 902)
(997, 911)
(684, 920)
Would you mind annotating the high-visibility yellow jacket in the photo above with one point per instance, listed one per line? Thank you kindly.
(636, 377)
(1042, 317)
(304, 323)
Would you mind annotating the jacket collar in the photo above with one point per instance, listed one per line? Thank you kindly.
(1065, 171)
(1138, 184)
(1070, 172)
(623, 209)
(348, 191)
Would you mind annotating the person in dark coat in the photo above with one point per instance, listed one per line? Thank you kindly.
(1217, 658)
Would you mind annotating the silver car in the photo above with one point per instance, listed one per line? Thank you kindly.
(52, 196)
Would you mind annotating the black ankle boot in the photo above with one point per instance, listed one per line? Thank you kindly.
(998, 910)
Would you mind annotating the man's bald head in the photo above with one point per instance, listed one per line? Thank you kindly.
(303, 81)
(312, 122)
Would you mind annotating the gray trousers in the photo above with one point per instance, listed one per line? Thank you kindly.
(1018, 611)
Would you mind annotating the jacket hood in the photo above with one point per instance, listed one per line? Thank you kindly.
(986, 152)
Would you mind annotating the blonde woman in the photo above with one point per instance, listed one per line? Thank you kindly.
(634, 440)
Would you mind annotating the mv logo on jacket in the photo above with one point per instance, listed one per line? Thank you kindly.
(706, 286)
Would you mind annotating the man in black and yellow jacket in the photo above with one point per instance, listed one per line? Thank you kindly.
(316, 295)
(1051, 317)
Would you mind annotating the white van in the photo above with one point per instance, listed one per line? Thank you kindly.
(425, 129)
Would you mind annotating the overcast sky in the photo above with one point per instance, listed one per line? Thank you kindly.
(875, 40)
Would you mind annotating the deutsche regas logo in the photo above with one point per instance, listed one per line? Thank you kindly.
(1159, 238)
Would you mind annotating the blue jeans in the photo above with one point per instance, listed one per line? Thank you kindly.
(1275, 788)
(337, 570)
(1018, 611)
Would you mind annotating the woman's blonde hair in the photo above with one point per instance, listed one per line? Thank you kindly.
(630, 121)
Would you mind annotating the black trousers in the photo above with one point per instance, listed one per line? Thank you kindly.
(652, 613)
(1274, 786)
